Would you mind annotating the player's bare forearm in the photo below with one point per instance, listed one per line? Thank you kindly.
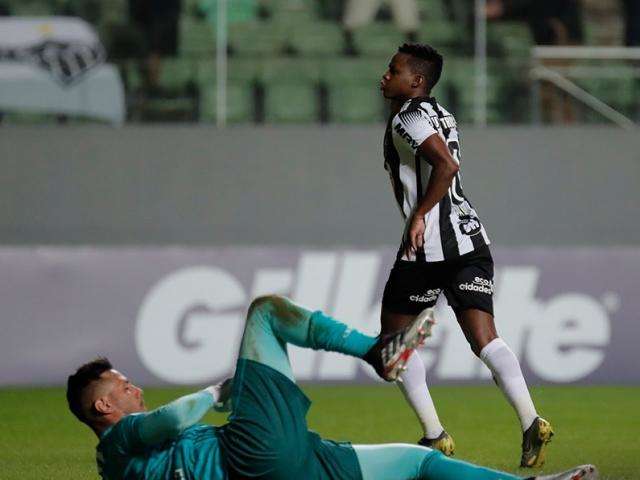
(439, 183)
(436, 152)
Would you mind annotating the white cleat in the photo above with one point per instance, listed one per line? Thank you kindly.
(391, 352)
(397, 351)
(583, 472)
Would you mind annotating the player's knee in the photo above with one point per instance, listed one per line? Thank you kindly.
(426, 462)
(263, 304)
(479, 341)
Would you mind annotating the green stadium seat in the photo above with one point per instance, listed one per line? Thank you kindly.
(618, 90)
(36, 8)
(178, 72)
(288, 13)
(354, 70)
(461, 74)
(442, 34)
(255, 39)
(291, 102)
(349, 103)
(353, 87)
(239, 105)
(197, 37)
(318, 38)
(432, 10)
(240, 80)
(378, 39)
(291, 90)
(291, 70)
(510, 38)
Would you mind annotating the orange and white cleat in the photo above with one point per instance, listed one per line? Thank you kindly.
(391, 352)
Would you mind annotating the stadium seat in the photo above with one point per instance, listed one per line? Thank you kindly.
(36, 8)
(442, 34)
(255, 39)
(239, 105)
(432, 10)
(290, 89)
(510, 39)
(177, 73)
(289, 70)
(317, 38)
(461, 74)
(350, 103)
(378, 39)
(291, 102)
(353, 89)
(197, 37)
(618, 90)
(241, 78)
(288, 13)
(244, 69)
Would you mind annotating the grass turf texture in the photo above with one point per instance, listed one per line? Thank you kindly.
(39, 439)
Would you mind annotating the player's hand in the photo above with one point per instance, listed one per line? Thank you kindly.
(222, 395)
(415, 235)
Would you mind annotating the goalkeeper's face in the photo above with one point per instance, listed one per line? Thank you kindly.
(118, 395)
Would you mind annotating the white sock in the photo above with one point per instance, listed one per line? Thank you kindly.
(506, 370)
(413, 383)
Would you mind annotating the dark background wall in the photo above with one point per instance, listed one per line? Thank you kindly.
(303, 185)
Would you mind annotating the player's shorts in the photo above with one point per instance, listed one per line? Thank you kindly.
(267, 435)
(466, 281)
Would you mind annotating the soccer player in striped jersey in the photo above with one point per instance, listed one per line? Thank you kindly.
(444, 248)
(266, 436)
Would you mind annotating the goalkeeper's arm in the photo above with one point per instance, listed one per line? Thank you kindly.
(168, 421)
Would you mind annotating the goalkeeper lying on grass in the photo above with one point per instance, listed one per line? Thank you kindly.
(267, 435)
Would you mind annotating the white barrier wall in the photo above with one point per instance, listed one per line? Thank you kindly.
(303, 185)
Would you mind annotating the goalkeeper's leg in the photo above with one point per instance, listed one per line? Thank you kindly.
(413, 462)
(273, 321)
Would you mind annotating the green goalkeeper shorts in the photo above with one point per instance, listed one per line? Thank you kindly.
(267, 435)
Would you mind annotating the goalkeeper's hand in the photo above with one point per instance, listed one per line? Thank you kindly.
(221, 393)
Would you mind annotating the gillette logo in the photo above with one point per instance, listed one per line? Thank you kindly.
(479, 285)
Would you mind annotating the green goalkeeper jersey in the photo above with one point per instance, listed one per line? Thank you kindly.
(163, 444)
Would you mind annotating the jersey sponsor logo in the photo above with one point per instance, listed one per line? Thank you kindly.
(427, 297)
(479, 285)
(403, 133)
(469, 225)
(448, 122)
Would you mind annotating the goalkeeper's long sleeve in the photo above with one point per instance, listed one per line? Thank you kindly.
(170, 420)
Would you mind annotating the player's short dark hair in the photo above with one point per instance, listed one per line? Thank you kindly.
(425, 60)
(78, 382)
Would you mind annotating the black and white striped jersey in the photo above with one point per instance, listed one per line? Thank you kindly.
(452, 227)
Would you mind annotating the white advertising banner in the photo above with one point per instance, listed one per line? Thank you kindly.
(175, 315)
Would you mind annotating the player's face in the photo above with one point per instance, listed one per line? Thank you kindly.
(124, 395)
(397, 82)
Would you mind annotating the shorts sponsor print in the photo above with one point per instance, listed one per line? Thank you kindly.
(479, 285)
(467, 282)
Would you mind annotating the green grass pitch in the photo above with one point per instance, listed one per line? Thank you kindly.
(39, 439)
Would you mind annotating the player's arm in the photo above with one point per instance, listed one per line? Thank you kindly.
(168, 421)
(435, 151)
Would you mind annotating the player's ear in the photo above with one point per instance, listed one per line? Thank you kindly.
(418, 81)
(102, 406)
